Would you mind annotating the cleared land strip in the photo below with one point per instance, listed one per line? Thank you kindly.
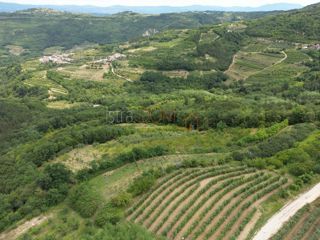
(23, 228)
(275, 223)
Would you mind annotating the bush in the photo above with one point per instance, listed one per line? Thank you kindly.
(317, 168)
(121, 231)
(142, 184)
(298, 169)
(141, 153)
(85, 200)
(121, 200)
(108, 214)
(56, 195)
(54, 175)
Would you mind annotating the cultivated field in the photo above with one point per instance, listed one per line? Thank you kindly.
(247, 64)
(206, 203)
(305, 224)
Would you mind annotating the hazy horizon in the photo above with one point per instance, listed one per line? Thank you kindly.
(226, 3)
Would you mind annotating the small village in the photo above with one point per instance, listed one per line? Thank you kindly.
(98, 64)
(311, 46)
(109, 59)
(57, 59)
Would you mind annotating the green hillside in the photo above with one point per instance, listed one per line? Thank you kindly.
(35, 30)
(296, 26)
(213, 118)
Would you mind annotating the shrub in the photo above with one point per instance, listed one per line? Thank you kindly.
(299, 169)
(317, 168)
(85, 200)
(121, 200)
(108, 214)
(56, 195)
(54, 176)
(142, 184)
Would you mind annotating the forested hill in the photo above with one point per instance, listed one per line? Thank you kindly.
(37, 29)
(297, 25)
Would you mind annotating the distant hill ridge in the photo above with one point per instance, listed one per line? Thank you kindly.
(12, 7)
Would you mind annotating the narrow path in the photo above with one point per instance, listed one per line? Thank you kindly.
(119, 76)
(275, 64)
(283, 59)
(275, 223)
(23, 228)
(264, 69)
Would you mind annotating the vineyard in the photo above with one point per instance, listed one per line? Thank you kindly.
(305, 224)
(206, 203)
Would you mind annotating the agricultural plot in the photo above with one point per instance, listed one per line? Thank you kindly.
(275, 76)
(305, 224)
(295, 56)
(62, 104)
(15, 50)
(205, 203)
(247, 64)
(208, 36)
(123, 69)
(40, 79)
(84, 73)
(79, 158)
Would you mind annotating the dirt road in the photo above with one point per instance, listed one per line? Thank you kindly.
(23, 228)
(275, 223)
(119, 76)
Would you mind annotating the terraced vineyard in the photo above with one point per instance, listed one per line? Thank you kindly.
(205, 203)
(250, 63)
(305, 224)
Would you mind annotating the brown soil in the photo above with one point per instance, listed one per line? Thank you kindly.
(155, 201)
(23, 228)
(196, 215)
(179, 208)
(246, 231)
(215, 220)
(246, 212)
(171, 181)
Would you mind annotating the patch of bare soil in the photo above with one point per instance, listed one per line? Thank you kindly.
(23, 228)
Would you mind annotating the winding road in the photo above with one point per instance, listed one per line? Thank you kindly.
(119, 76)
(275, 223)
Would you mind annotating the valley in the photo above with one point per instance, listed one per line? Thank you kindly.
(197, 125)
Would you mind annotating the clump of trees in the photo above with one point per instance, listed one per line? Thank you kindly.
(157, 82)
(85, 200)
(55, 180)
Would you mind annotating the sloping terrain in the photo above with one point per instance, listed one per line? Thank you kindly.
(189, 131)
(285, 214)
(214, 203)
(38, 29)
(304, 224)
